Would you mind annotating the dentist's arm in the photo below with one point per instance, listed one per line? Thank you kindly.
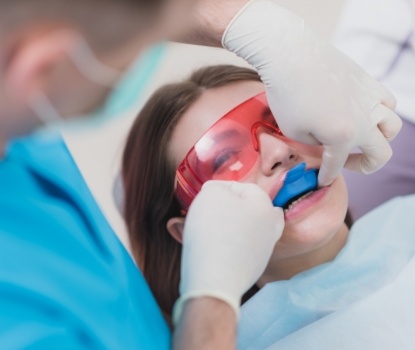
(206, 323)
(222, 257)
(317, 94)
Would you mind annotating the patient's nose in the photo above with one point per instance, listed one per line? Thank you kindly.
(275, 153)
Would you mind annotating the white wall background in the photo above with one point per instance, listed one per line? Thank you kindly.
(97, 152)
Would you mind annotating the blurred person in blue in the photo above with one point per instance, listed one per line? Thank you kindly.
(65, 280)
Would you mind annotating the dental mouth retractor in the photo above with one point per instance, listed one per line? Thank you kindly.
(298, 182)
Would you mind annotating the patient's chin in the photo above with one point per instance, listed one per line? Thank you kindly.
(311, 233)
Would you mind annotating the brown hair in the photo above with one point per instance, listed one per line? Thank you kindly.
(148, 177)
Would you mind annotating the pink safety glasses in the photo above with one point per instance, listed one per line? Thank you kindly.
(227, 151)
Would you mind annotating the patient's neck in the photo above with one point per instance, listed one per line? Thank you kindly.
(286, 268)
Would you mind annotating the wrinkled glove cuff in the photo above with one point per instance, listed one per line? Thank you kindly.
(179, 304)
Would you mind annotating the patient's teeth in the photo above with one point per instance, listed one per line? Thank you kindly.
(298, 200)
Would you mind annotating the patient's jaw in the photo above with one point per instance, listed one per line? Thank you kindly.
(314, 227)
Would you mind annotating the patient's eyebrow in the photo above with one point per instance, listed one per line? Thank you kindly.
(226, 134)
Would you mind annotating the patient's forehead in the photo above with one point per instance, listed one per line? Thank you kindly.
(207, 110)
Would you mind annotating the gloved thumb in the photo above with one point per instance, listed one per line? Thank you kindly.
(280, 223)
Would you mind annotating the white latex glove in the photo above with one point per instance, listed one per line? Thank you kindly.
(229, 235)
(317, 94)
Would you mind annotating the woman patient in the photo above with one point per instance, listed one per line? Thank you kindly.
(157, 195)
(217, 125)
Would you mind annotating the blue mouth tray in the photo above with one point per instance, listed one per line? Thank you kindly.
(297, 181)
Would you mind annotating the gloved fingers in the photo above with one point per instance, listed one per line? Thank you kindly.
(387, 98)
(375, 154)
(240, 189)
(279, 213)
(307, 137)
(333, 159)
(249, 190)
(213, 184)
(389, 123)
(379, 92)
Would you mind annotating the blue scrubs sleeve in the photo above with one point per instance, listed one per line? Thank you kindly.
(66, 282)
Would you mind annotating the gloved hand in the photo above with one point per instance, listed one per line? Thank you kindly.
(229, 234)
(317, 94)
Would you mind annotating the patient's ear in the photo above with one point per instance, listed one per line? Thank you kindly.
(175, 227)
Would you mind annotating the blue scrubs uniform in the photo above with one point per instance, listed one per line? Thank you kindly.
(66, 281)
